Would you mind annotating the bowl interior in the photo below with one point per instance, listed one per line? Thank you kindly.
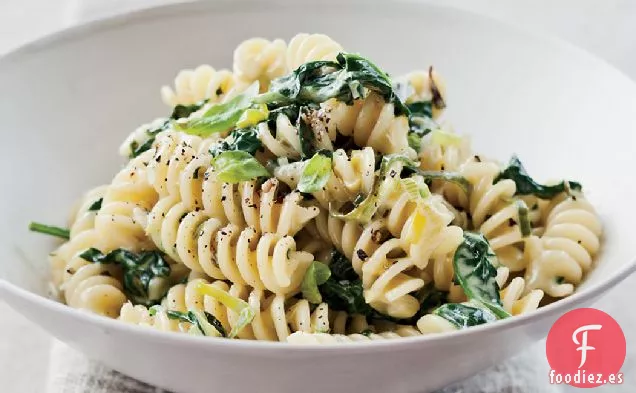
(70, 100)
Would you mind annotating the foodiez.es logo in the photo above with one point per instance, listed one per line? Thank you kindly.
(585, 348)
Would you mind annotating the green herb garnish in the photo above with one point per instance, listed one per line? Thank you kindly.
(345, 80)
(51, 230)
(316, 173)
(96, 205)
(219, 117)
(237, 166)
(317, 274)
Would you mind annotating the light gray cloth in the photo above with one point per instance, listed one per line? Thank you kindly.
(72, 372)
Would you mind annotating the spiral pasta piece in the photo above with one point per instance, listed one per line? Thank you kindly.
(431, 324)
(559, 258)
(141, 136)
(82, 220)
(244, 256)
(423, 225)
(172, 151)
(302, 338)
(83, 215)
(343, 234)
(448, 154)
(370, 121)
(389, 275)
(242, 205)
(516, 301)
(93, 286)
(353, 174)
(115, 221)
(304, 48)
(427, 86)
(494, 213)
(283, 140)
(141, 316)
(258, 59)
(202, 83)
(181, 173)
(275, 316)
(386, 274)
(342, 323)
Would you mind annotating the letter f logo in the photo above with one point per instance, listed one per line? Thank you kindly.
(583, 344)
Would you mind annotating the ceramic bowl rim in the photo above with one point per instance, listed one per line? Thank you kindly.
(90, 27)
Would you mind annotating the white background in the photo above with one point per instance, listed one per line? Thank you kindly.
(604, 27)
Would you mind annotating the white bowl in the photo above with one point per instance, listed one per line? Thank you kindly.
(70, 99)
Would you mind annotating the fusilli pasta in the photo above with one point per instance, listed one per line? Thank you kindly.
(258, 59)
(559, 258)
(202, 83)
(370, 122)
(331, 206)
(304, 48)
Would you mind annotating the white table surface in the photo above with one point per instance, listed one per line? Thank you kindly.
(604, 27)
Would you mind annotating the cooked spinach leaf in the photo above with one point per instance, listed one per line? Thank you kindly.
(305, 136)
(181, 111)
(145, 274)
(242, 139)
(474, 263)
(343, 292)
(237, 166)
(317, 274)
(51, 230)
(527, 186)
(345, 295)
(429, 298)
(292, 112)
(316, 173)
(96, 205)
(341, 267)
(464, 315)
(201, 320)
(345, 79)
(421, 109)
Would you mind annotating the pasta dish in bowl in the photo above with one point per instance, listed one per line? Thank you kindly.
(312, 201)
